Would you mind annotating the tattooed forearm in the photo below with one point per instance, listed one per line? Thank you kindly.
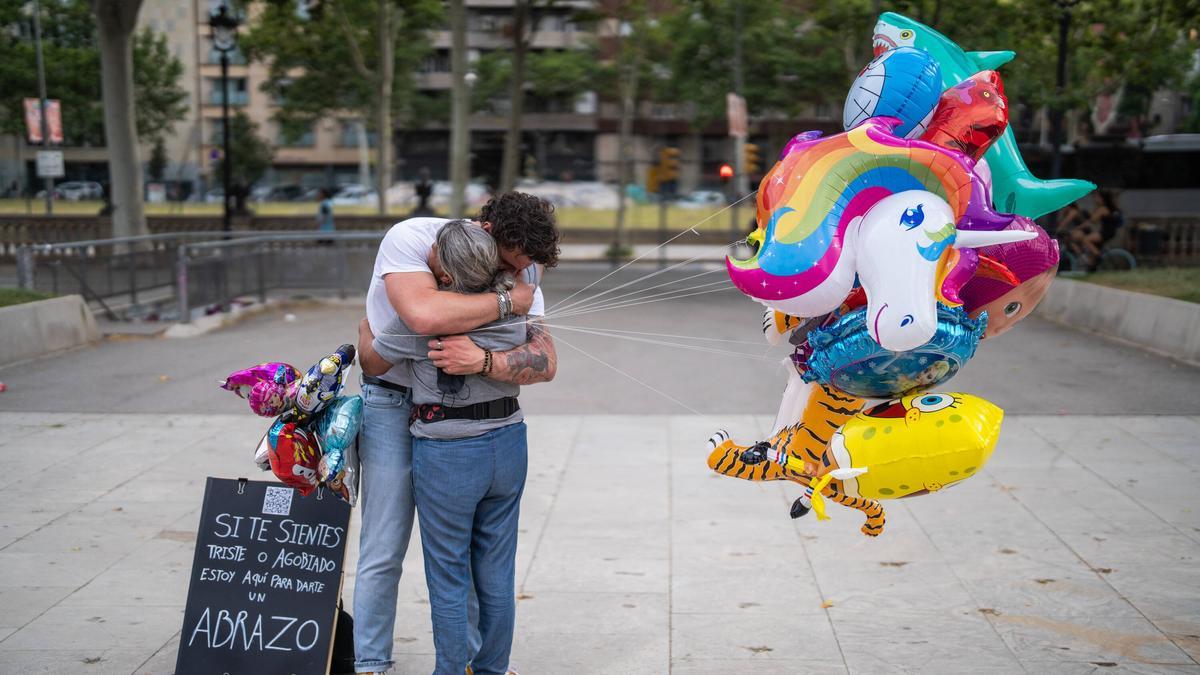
(535, 361)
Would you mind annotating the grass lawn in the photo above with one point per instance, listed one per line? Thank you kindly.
(1181, 283)
(16, 296)
(639, 216)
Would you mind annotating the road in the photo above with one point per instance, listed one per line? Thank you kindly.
(1037, 368)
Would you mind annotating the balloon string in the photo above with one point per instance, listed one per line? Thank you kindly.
(752, 343)
(663, 343)
(691, 229)
(621, 372)
(585, 301)
(588, 302)
(724, 287)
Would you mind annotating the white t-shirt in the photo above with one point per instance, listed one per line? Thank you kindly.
(405, 248)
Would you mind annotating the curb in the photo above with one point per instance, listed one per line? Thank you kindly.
(1162, 325)
(34, 329)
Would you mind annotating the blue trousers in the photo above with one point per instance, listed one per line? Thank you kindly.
(468, 494)
(386, 506)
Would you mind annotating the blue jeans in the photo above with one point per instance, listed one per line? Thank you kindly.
(386, 503)
(468, 494)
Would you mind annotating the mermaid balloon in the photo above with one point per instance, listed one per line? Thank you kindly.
(1007, 300)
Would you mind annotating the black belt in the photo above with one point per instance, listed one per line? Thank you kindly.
(375, 381)
(488, 410)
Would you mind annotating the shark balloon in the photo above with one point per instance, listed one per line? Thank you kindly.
(1015, 189)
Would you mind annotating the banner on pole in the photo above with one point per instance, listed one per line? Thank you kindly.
(735, 108)
(33, 121)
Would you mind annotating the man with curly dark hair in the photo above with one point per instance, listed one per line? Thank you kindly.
(403, 285)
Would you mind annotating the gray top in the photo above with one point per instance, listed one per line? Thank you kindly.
(399, 345)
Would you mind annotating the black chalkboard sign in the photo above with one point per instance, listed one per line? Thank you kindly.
(265, 580)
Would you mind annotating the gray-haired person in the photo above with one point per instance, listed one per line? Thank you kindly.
(469, 461)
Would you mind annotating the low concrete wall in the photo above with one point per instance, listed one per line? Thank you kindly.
(1164, 325)
(35, 328)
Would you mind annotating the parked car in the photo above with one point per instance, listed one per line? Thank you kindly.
(76, 190)
(214, 196)
(355, 194)
(286, 193)
(701, 199)
(261, 193)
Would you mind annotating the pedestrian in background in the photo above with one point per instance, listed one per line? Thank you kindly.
(325, 215)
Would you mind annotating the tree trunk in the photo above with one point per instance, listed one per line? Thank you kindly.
(460, 132)
(625, 152)
(115, 22)
(364, 152)
(386, 74)
(509, 166)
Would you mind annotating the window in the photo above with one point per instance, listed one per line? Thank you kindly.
(348, 136)
(237, 90)
(236, 58)
(438, 62)
(297, 136)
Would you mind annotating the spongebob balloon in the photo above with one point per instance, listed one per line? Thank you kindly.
(914, 446)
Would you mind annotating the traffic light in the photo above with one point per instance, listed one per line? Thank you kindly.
(668, 164)
(751, 160)
(653, 179)
(725, 172)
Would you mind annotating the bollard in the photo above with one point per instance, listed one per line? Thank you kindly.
(181, 284)
(25, 267)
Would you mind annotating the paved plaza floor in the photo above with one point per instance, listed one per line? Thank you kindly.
(1076, 549)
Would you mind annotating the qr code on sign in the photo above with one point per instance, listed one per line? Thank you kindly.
(278, 501)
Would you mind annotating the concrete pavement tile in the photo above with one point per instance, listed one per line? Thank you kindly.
(919, 640)
(597, 565)
(71, 661)
(746, 637)
(744, 667)
(625, 653)
(1114, 667)
(1091, 638)
(162, 661)
(22, 604)
(1124, 549)
(1184, 633)
(160, 585)
(593, 612)
(864, 586)
(99, 628)
(729, 579)
(1075, 594)
(35, 569)
(1160, 591)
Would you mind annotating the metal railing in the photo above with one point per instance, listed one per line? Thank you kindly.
(215, 273)
(161, 274)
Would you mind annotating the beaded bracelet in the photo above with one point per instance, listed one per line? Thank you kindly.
(487, 362)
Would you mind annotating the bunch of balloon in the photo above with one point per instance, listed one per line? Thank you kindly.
(311, 442)
(885, 254)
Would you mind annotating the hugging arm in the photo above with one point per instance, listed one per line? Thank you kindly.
(428, 311)
(533, 362)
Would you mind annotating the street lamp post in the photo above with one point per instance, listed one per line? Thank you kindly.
(224, 39)
(41, 78)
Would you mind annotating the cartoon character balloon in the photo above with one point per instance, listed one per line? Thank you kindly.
(1033, 263)
(337, 427)
(295, 454)
(1016, 190)
(904, 83)
(914, 446)
(264, 386)
(970, 116)
(322, 383)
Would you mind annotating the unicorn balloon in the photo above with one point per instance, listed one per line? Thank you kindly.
(819, 232)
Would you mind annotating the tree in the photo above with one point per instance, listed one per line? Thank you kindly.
(460, 132)
(156, 168)
(159, 100)
(250, 162)
(333, 57)
(70, 43)
(115, 21)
